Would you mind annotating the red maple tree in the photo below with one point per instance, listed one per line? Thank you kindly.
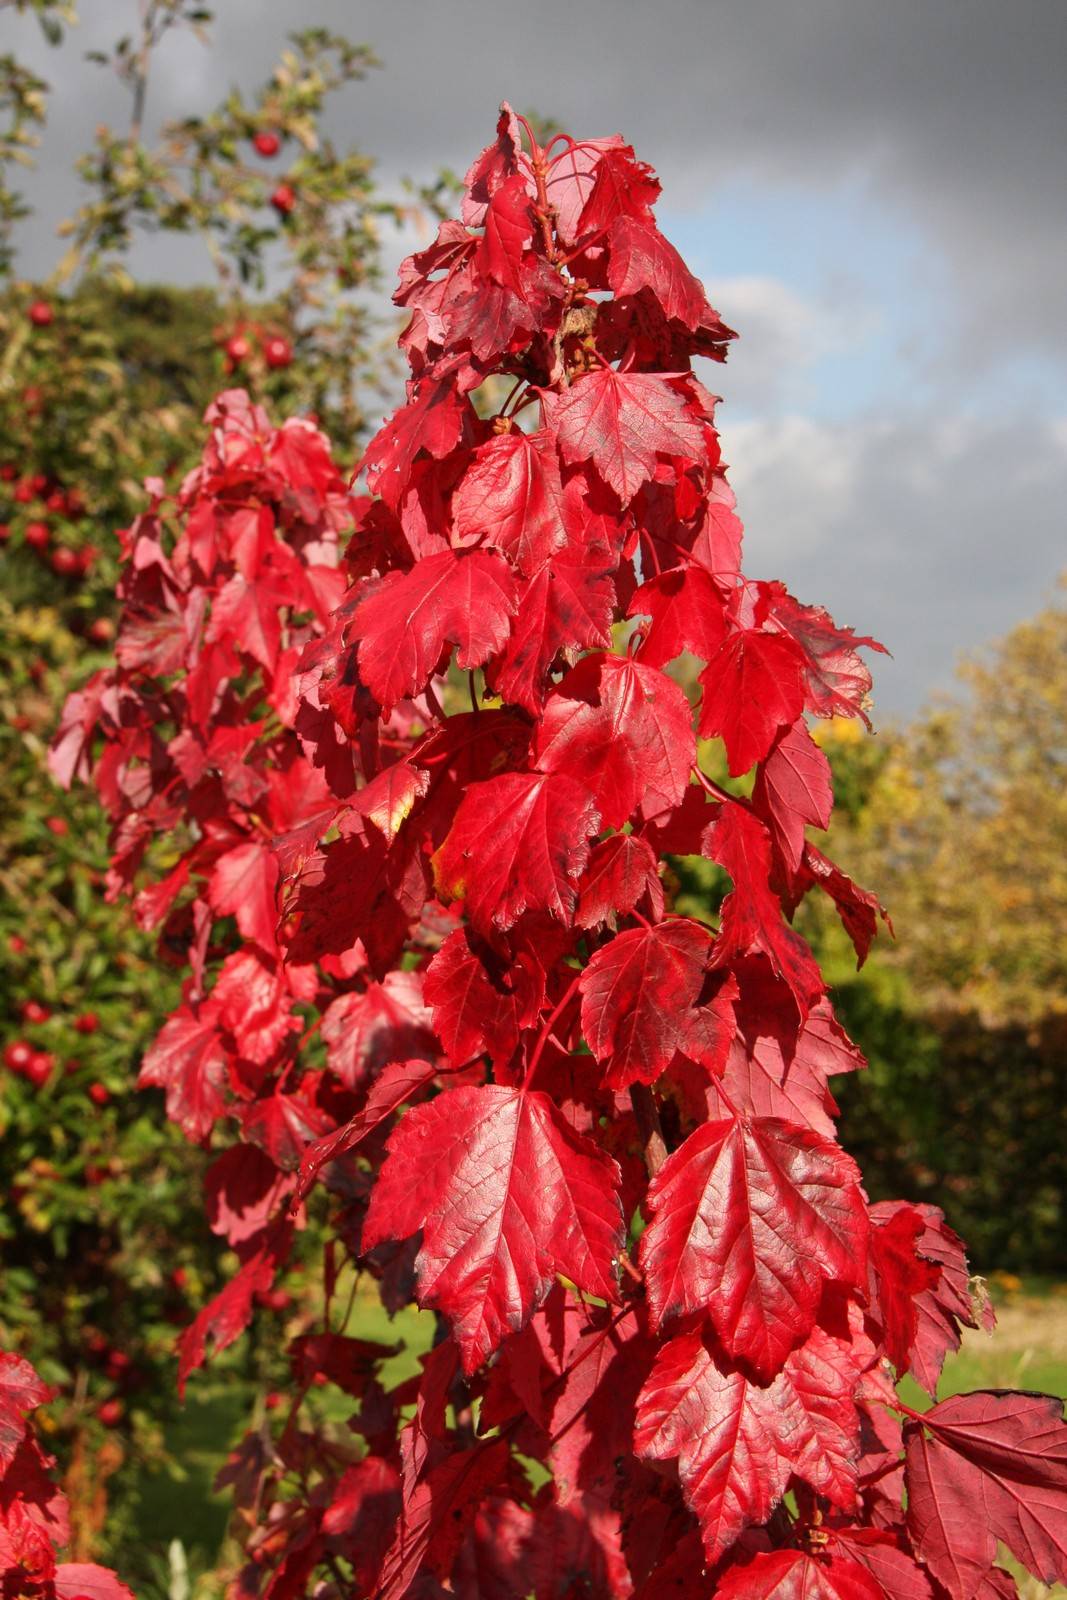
(437, 989)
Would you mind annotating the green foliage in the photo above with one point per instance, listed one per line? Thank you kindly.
(103, 382)
(103, 1251)
(958, 821)
(962, 1114)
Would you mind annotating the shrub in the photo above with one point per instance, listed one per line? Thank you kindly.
(103, 382)
(409, 839)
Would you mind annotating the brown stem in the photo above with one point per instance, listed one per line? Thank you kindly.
(550, 1023)
(647, 1114)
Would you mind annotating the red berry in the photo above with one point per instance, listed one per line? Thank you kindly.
(5, 532)
(33, 399)
(238, 348)
(88, 1022)
(273, 1399)
(39, 482)
(101, 630)
(75, 503)
(110, 1412)
(57, 502)
(99, 1094)
(274, 1299)
(37, 535)
(16, 944)
(278, 351)
(179, 1278)
(8, 473)
(57, 825)
(284, 198)
(41, 313)
(34, 1012)
(65, 561)
(40, 1067)
(118, 1362)
(86, 556)
(24, 492)
(267, 144)
(18, 1055)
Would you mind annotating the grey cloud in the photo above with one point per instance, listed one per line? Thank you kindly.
(953, 110)
(929, 532)
(932, 535)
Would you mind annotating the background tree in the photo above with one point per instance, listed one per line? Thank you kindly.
(103, 381)
(962, 816)
(968, 818)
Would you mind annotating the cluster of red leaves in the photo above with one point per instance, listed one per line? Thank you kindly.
(34, 1516)
(595, 1136)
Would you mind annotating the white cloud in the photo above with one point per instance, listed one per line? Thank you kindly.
(781, 469)
(933, 534)
(783, 335)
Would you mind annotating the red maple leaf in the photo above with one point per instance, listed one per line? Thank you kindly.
(84, 1580)
(399, 1083)
(511, 496)
(687, 612)
(749, 1219)
(752, 913)
(622, 873)
(566, 605)
(189, 1060)
(837, 682)
(433, 420)
(623, 421)
(642, 259)
(753, 687)
(639, 995)
(21, 1391)
(435, 1516)
(738, 1443)
(942, 1309)
(244, 885)
(227, 1316)
(387, 1021)
(623, 730)
(519, 843)
(481, 1002)
(410, 619)
(982, 1467)
(899, 1276)
(793, 788)
(507, 1197)
(792, 1575)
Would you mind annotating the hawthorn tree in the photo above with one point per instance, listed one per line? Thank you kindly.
(407, 811)
(103, 381)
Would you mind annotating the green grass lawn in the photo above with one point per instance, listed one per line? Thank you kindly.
(1028, 1351)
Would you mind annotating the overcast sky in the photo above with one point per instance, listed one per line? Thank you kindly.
(875, 193)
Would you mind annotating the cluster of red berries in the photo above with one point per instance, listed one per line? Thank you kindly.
(239, 346)
(36, 1066)
(267, 144)
(119, 1367)
(39, 489)
(23, 1058)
